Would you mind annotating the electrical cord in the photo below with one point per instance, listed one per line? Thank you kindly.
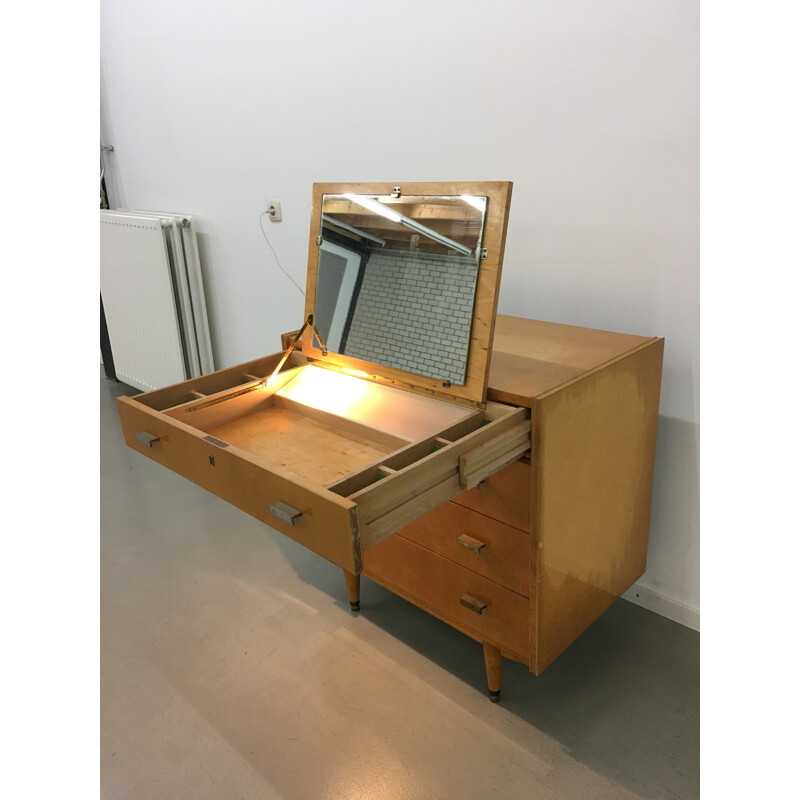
(264, 234)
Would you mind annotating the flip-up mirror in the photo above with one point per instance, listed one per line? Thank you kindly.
(403, 280)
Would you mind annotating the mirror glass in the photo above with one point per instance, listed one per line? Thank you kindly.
(396, 280)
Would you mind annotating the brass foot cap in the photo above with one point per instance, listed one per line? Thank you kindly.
(494, 697)
(355, 606)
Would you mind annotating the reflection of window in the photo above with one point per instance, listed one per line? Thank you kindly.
(337, 272)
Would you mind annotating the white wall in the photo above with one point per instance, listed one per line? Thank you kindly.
(591, 108)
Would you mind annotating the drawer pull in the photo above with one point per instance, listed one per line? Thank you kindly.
(143, 437)
(285, 512)
(472, 604)
(475, 545)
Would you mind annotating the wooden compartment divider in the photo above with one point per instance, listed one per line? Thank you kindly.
(400, 459)
(417, 487)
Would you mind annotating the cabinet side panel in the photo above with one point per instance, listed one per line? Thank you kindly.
(596, 441)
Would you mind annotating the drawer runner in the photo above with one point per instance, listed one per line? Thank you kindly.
(398, 498)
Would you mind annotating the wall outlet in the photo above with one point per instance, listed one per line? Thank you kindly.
(274, 210)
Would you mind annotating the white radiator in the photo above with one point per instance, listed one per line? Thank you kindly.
(153, 298)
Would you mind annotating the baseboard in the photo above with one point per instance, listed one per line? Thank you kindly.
(665, 606)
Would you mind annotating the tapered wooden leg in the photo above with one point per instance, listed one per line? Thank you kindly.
(494, 670)
(353, 589)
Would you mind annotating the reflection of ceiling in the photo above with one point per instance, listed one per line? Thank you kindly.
(457, 220)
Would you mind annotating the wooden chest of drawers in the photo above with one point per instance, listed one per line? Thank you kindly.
(525, 562)
(498, 475)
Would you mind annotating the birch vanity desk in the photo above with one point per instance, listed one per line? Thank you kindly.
(494, 471)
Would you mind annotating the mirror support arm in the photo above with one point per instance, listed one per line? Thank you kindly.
(293, 345)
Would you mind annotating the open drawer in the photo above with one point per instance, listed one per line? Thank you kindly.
(335, 462)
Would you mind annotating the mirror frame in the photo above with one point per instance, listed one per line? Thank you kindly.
(473, 391)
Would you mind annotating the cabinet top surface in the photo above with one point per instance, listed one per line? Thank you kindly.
(531, 357)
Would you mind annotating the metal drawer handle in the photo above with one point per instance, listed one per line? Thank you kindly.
(472, 603)
(475, 545)
(285, 512)
(145, 438)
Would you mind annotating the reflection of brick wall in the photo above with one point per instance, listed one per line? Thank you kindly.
(414, 313)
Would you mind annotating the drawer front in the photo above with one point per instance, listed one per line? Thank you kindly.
(320, 520)
(505, 496)
(491, 548)
(452, 593)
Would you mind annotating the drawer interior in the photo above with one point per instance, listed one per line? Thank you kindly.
(322, 425)
(305, 446)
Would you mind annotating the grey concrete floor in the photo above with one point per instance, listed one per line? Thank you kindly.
(232, 667)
